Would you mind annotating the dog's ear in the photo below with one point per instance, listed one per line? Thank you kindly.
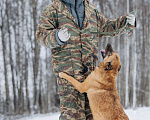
(119, 68)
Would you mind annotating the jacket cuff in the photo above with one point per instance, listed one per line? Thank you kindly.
(57, 38)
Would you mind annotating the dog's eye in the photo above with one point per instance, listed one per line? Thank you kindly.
(110, 54)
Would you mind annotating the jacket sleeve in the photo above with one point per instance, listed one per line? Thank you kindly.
(47, 28)
(112, 25)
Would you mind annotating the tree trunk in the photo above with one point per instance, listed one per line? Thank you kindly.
(4, 42)
(10, 57)
(36, 53)
(26, 83)
(127, 65)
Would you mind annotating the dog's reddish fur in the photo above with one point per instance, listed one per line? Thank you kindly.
(100, 87)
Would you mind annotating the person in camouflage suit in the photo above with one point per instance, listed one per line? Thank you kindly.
(65, 55)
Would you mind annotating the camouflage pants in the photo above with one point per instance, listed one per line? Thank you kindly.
(73, 104)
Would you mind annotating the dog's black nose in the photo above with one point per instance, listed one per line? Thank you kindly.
(108, 45)
(109, 48)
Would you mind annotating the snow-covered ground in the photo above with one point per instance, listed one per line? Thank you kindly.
(52, 116)
(138, 114)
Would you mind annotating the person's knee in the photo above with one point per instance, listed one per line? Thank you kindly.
(72, 114)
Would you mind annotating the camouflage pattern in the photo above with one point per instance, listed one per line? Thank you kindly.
(73, 105)
(67, 58)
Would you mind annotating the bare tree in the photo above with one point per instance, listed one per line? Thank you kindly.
(10, 55)
(4, 59)
(36, 51)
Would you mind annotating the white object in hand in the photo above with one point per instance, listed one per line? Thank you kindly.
(63, 34)
(60, 74)
(130, 19)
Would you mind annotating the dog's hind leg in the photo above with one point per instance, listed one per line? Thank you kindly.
(81, 87)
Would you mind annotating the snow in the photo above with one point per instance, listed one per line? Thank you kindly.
(142, 113)
(139, 113)
(51, 116)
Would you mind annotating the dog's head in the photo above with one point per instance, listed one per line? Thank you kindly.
(111, 60)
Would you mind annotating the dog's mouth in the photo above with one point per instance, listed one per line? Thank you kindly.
(107, 51)
(103, 53)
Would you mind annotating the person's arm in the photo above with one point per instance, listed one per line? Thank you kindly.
(112, 25)
(47, 32)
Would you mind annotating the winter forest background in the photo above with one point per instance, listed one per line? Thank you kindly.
(27, 81)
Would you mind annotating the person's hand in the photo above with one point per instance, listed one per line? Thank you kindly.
(63, 34)
(130, 19)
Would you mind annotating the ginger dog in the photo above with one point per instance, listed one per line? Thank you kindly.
(100, 87)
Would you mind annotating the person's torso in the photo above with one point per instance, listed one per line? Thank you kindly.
(70, 57)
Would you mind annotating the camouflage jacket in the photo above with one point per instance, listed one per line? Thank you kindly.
(67, 58)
